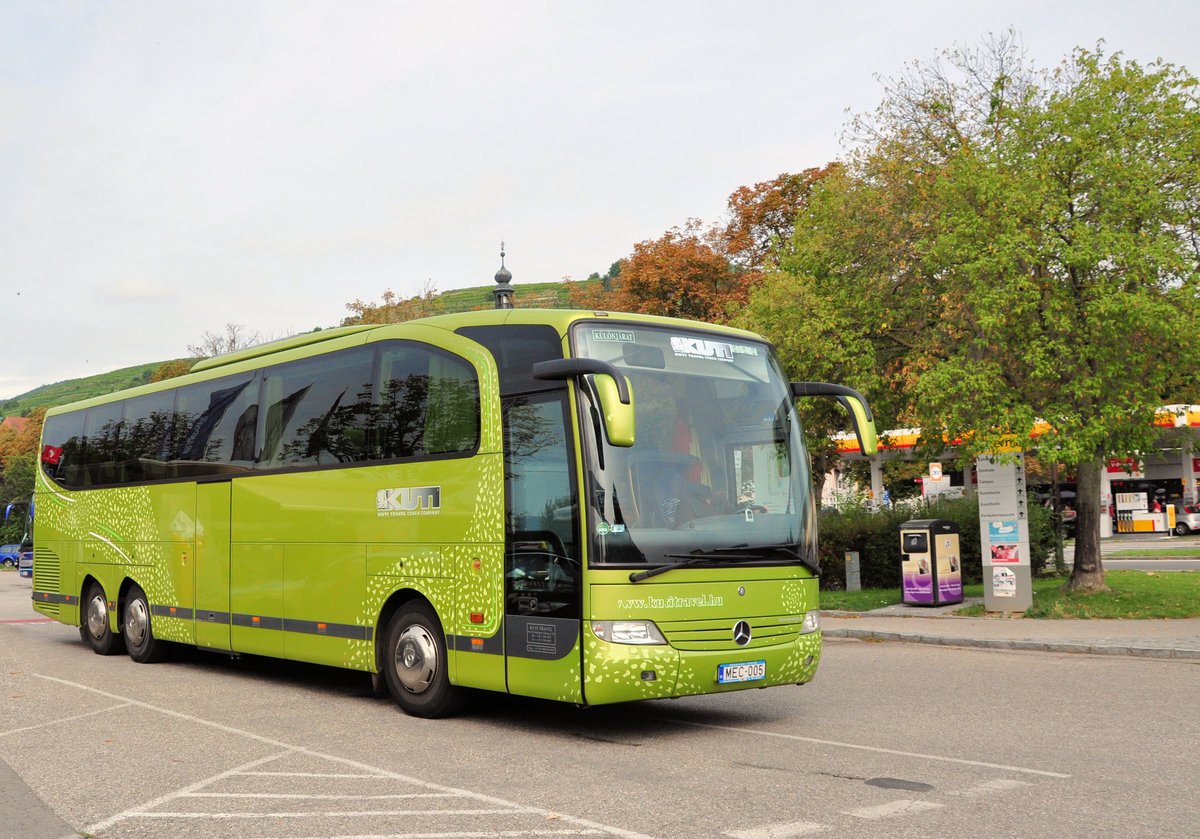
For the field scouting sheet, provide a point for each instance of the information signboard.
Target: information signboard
(1004, 533)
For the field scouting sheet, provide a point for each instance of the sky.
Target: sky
(170, 168)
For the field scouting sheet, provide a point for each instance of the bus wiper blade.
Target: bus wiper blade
(791, 552)
(694, 558)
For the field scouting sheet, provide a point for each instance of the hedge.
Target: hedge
(876, 537)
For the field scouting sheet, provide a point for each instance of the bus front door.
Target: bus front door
(542, 581)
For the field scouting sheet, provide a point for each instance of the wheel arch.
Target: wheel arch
(395, 602)
(86, 583)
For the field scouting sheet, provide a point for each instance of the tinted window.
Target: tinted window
(214, 424)
(317, 411)
(428, 402)
(102, 434)
(516, 348)
(542, 571)
(62, 448)
(145, 433)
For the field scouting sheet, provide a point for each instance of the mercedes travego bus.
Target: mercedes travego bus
(581, 506)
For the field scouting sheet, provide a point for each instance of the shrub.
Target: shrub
(876, 537)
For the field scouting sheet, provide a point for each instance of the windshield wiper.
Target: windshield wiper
(793, 554)
(696, 557)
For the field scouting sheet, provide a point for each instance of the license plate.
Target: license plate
(746, 671)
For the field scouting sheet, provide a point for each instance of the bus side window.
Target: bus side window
(147, 423)
(208, 417)
(102, 434)
(317, 409)
(62, 459)
(427, 403)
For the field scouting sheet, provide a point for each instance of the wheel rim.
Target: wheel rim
(416, 659)
(137, 622)
(97, 615)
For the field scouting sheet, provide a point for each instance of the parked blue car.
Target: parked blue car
(25, 563)
(9, 554)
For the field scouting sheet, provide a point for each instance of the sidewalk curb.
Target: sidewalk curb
(1080, 648)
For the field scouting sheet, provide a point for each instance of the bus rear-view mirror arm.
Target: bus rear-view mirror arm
(854, 403)
(612, 389)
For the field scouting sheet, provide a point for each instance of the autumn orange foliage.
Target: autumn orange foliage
(707, 275)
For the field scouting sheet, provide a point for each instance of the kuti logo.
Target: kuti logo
(700, 348)
(409, 501)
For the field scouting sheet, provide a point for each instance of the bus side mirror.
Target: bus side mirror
(612, 388)
(854, 402)
(618, 415)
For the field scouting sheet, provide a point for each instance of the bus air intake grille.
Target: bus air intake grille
(767, 631)
(46, 573)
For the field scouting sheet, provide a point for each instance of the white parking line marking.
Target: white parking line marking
(328, 814)
(797, 738)
(171, 796)
(777, 831)
(64, 719)
(289, 749)
(901, 807)
(320, 796)
(350, 775)
(469, 834)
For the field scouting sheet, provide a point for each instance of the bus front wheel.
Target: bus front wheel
(414, 663)
(95, 628)
(140, 642)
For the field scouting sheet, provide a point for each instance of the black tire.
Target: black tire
(414, 663)
(137, 628)
(1181, 529)
(94, 624)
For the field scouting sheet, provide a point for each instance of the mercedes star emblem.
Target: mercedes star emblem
(741, 633)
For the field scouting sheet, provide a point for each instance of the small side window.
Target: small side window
(62, 449)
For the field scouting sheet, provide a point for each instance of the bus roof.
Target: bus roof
(287, 349)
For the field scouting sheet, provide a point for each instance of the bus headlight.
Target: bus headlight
(812, 623)
(628, 632)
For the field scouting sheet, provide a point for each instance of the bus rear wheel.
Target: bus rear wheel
(415, 663)
(140, 642)
(94, 626)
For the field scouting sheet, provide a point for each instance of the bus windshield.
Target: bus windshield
(718, 472)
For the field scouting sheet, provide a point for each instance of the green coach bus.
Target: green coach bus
(582, 506)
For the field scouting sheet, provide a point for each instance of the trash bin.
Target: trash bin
(931, 565)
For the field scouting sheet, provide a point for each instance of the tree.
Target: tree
(235, 338)
(171, 369)
(18, 459)
(1011, 246)
(680, 274)
(392, 309)
(706, 274)
(762, 218)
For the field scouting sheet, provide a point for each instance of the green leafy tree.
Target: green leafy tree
(1010, 251)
